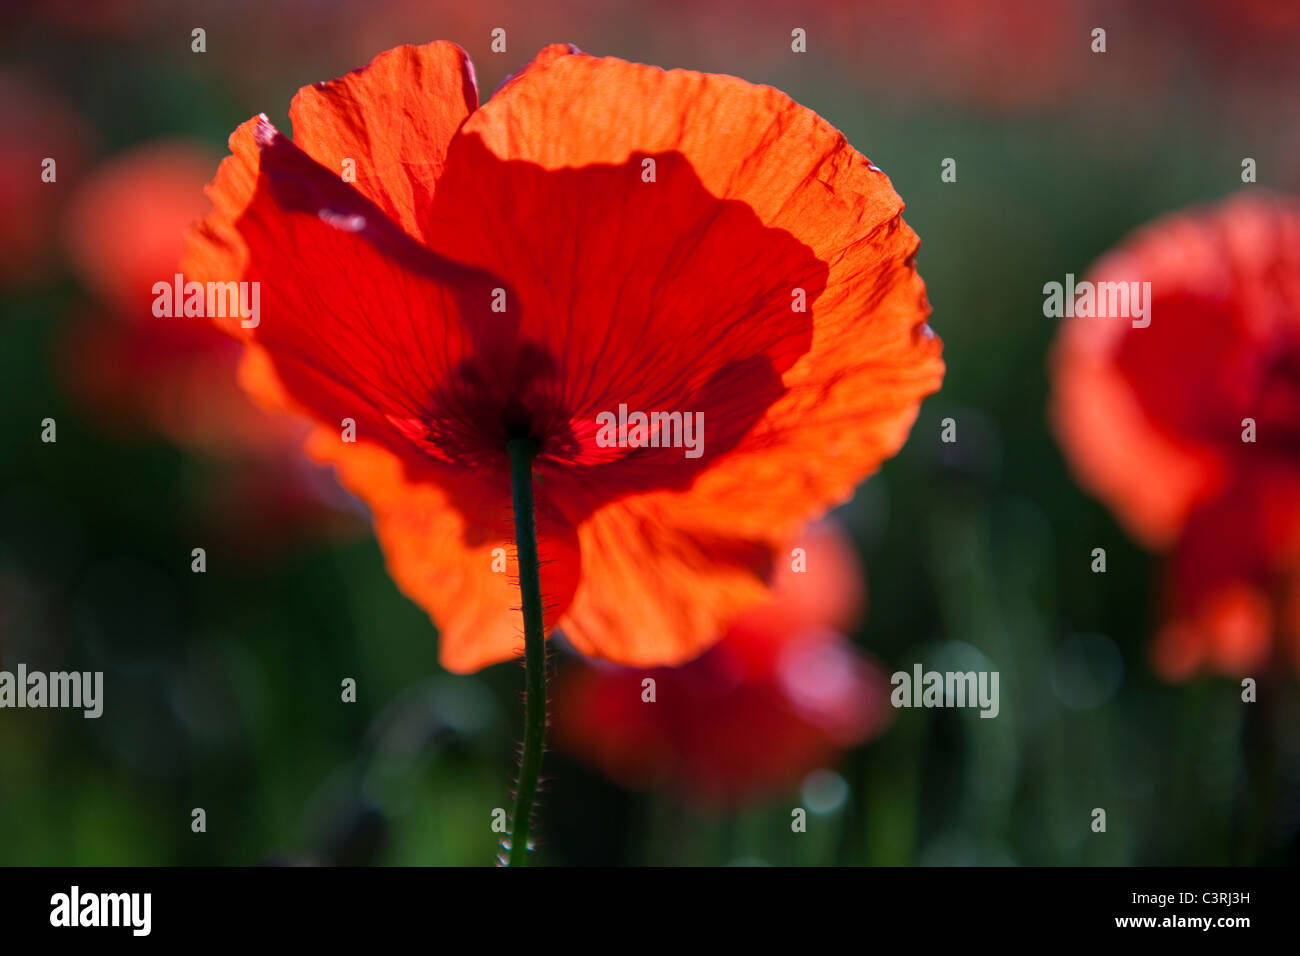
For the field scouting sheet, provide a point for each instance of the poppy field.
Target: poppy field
(649, 434)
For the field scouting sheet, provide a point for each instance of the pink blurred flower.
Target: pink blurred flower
(781, 694)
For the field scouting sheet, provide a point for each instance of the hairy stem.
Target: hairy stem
(530, 586)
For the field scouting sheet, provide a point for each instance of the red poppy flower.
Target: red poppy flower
(1189, 428)
(600, 234)
(780, 695)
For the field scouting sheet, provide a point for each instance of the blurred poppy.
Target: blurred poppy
(600, 234)
(1248, 41)
(1239, 57)
(135, 372)
(1011, 55)
(124, 232)
(1189, 429)
(779, 695)
(44, 147)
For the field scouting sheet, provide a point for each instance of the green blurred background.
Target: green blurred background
(224, 687)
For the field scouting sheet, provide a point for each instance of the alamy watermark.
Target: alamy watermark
(75, 908)
(212, 300)
(652, 430)
(946, 689)
(1127, 300)
(79, 690)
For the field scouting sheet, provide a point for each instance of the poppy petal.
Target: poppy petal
(656, 591)
(213, 248)
(851, 376)
(379, 340)
(374, 343)
(394, 120)
(447, 561)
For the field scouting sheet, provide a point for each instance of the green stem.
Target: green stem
(530, 586)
